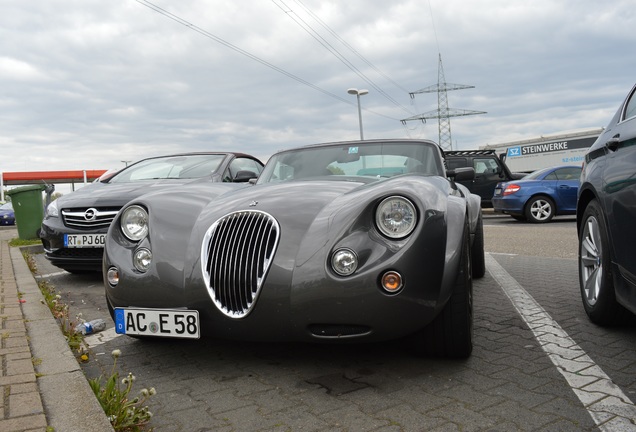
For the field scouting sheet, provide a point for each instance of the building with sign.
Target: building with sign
(546, 151)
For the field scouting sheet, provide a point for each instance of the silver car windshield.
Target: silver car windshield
(358, 160)
(172, 167)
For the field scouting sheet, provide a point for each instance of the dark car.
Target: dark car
(489, 170)
(75, 225)
(606, 215)
(7, 216)
(539, 196)
(351, 241)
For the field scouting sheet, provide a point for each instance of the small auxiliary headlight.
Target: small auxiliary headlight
(142, 259)
(344, 262)
(134, 222)
(392, 281)
(113, 276)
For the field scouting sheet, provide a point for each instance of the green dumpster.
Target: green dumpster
(29, 210)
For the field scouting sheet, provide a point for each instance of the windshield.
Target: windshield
(6, 206)
(352, 159)
(170, 167)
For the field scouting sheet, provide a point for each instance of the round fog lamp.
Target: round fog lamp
(113, 276)
(344, 262)
(142, 259)
(392, 281)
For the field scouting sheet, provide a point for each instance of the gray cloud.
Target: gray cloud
(87, 83)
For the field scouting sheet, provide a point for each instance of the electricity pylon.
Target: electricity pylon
(442, 113)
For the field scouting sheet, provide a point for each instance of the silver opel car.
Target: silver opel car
(75, 225)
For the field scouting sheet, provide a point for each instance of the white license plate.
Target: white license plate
(84, 240)
(497, 192)
(179, 323)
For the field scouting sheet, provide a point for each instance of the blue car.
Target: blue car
(539, 196)
(7, 217)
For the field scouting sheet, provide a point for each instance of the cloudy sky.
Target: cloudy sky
(87, 84)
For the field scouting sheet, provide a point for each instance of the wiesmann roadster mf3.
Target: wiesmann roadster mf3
(339, 242)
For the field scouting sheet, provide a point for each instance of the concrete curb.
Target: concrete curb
(68, 400)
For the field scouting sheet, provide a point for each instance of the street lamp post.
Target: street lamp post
(358, 93)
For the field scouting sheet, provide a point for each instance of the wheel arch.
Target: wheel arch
(586, 195)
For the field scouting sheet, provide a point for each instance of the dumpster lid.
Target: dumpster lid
(28, 188)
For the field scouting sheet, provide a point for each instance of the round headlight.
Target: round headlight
(142, 259)
(134, 222)
(344, 262)
(396, 217)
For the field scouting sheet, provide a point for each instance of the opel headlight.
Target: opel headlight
(134, 222)
(52, 210)
(396, 217)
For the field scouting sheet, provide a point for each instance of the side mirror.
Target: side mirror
(244, 176)
(461, 174)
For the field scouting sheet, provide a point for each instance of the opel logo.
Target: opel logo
(90, 214)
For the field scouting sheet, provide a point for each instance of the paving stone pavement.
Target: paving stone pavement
(508, 383)
(42, 386)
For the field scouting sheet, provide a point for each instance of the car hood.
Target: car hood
(114, 194)
(295, 201)
(316, 212)
(6, 212)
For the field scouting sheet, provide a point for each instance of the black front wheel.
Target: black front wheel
(451, 332)
(595, 277)
(478, 255)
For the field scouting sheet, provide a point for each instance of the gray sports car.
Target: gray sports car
(340, 242)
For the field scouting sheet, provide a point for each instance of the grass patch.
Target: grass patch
(17, 242)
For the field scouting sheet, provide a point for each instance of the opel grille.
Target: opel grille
(89, 218)
(236, 253)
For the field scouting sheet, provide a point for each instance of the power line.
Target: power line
(307, 27)
(247, 54)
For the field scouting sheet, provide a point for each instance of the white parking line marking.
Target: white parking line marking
(609, 407)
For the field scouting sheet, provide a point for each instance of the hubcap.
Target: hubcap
(541, 210)
(591, 254)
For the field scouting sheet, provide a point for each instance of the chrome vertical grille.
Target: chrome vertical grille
(236, 253)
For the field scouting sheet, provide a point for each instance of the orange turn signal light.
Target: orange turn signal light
(391, 281)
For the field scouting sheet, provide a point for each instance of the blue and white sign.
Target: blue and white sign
(514, 151)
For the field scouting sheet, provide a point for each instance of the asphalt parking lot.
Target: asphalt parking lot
(538, 363)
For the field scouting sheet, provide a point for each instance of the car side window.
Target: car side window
(551, 176)
(241, 164)
(455, 163)
(568, 173)
(630, 107)
(484, 166)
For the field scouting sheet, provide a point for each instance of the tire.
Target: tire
(540, 209)
(450, 334)
(595, 274)
(478, 256)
